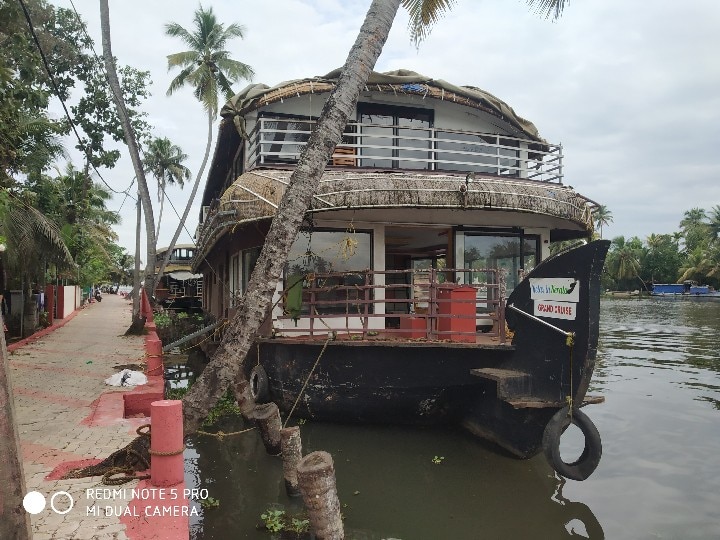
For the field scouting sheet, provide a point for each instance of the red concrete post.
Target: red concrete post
(166, 443)
(50, 303)
(61, 302)
(145, 308)
(153, 351)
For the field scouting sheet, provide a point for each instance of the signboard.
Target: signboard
(558, 289)
(555, 310)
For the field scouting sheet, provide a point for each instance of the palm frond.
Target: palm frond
(423, 15)
(548, 8)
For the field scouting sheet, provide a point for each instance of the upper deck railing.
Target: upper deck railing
(280, 140)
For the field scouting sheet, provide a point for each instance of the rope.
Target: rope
(570, 342)
(220, 435)
(307, 380)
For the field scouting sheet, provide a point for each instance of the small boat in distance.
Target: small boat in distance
(687, 288)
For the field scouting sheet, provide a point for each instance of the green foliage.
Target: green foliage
(210, 502)
(207, 67)
(277, 520)
(299, 526)
(226, 406)
(162, 320)
(691, 253)
(273, 519)
(437, 460)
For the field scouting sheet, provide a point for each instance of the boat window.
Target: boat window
(249, 259)
(394, 137)
(500, 251)
(235, 290)
(283, 137)
(317, 253)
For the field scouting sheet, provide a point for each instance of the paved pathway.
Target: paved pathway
(56, 382)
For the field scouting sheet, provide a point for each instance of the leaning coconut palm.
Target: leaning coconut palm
(133, 150)
(224, 367)
(208, 69)
(164, 160)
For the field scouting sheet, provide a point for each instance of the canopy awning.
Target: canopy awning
(184, 275)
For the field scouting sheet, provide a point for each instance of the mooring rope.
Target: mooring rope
(570, 342)
(307, 379)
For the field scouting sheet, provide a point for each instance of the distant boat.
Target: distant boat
(686, 289)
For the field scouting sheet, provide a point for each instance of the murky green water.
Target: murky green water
(659, 369)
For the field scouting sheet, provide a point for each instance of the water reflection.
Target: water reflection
(659, 369)
(390, 487)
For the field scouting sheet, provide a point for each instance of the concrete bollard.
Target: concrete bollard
(153, 348)
(291, 445)
(166, 443)
(268, 421)
(316, 477)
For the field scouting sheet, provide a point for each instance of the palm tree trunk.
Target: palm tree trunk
(181, 225)
(161, 197)
(224, 367)
(136, 272)
(14, 520)
(133, 149)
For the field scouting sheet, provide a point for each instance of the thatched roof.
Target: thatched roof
(255, 195)
(398, 82)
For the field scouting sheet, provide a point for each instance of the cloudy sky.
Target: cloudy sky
(630, 88)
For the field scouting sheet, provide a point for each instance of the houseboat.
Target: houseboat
(422, 287)
(687, 289)
(178, 287)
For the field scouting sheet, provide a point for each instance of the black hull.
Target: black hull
(502, 393)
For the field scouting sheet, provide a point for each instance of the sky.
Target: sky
(630, 88)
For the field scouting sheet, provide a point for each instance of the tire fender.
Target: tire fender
(259, 387)
(588, 461)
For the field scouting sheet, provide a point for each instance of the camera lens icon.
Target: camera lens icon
(34, 502)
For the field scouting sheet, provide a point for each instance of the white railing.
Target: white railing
(280, 140)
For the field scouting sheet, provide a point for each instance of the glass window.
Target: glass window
(283, 138)
(495, 251)
(322, 252)
(398, 137)
(249, 258)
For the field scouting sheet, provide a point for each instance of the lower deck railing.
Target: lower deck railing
(396, 304)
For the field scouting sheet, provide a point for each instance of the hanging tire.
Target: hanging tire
(588, 461)
(259, 387)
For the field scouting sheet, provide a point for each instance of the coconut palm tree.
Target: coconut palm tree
(714, 223)
(602, 216)
(164, 160)
(133, 150)
(696, 266)
(208, 69)
(224, 367)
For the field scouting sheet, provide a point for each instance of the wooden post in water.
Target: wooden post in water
(268, 421)
(316, 478)
(291, 445)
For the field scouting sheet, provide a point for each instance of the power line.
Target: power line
(57, 92)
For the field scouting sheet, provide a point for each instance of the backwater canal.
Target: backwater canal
(659, 478)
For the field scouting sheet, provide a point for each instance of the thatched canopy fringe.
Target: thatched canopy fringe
(254, 196)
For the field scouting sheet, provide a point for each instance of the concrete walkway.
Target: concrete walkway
(57, 383)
